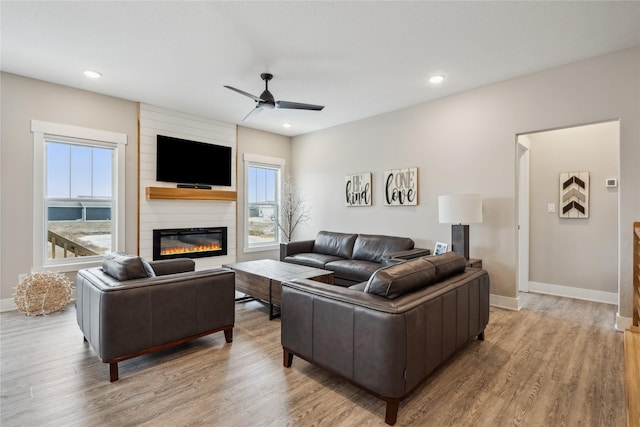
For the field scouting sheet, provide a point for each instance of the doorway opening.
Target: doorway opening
(574, 257)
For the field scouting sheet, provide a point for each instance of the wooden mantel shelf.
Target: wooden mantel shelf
(169, 193)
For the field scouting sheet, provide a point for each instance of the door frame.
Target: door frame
(523, 150)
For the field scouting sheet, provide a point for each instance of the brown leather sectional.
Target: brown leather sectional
(353, 258)
(388, 334)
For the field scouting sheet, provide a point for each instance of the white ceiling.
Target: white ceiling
(358, 58)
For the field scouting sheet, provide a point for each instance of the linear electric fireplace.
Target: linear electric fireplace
(189, 242)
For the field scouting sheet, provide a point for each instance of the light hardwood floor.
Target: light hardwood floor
(556, 362)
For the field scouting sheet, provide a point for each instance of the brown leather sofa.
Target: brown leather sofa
(388, 334)
(131, 307)
(352, 257)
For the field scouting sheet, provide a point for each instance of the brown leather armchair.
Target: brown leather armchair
(131, 307)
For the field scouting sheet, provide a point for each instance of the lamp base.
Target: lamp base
(460, 239)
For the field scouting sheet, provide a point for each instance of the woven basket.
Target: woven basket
(42, 293)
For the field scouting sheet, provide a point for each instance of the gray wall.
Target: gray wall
(253, 141)
(579, 253)
(24, 99)
(462, 143)
(466, 143)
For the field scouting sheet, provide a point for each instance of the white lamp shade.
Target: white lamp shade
(460, 209)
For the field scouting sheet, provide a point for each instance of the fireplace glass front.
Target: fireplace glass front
(189, 242)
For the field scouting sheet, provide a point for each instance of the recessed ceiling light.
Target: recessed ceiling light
(438, 78)
(286, 125)
(92, 74)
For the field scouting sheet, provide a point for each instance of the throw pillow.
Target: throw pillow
(399, 279)
(147, 268)
(122, 266)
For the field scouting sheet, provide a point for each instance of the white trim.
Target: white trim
(7, 304)
(43, 130)
(57, 129)
(623, 323)
(272, 247)
(577, 293)
(523, 167)
(258, 161)
(507, 303)
(265, 160)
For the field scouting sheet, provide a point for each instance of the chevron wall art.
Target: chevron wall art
(574, 195)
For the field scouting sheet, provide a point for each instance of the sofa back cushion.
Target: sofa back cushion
(165, 267)
(447, 264)
(336, 244)
(370, 247)
(399, 279)
(122, 266)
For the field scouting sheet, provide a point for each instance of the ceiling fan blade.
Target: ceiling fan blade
(298, 106)
(253, 112)
(255, 98)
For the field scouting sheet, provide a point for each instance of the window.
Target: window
(78, 195)
(262, 198)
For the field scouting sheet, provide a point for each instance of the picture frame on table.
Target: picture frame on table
(440, 248)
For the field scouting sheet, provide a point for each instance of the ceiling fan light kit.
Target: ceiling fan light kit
(268, 102)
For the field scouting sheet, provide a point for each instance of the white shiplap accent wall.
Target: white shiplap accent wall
(158, 214)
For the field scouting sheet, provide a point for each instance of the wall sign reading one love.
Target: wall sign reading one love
(401, 187)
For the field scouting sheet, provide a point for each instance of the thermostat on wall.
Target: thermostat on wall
(611, 182)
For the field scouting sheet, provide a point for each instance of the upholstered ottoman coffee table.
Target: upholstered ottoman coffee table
(262, 279)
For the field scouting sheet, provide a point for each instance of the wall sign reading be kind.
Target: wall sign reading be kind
(358, 189)
(401, 187)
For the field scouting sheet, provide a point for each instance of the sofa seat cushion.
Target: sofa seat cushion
(336, 244)
(447, 264)
(311, 259)
(371, 247)
(122, 266)
(397, 280)
(355, 270)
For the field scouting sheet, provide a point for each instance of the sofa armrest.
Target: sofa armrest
(105, 283)
(400, 305)
(408, 254)
(298, 247)
(172, 266)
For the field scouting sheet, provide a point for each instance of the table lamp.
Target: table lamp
(460, 210)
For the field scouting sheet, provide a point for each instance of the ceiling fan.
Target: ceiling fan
(267, 101)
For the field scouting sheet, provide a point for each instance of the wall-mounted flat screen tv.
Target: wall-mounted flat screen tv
(191, 162)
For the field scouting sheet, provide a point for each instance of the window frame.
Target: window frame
(43, 131)
(266, 162)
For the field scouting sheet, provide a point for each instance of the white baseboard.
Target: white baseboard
(623, 323)
(507, 303)
(7, 304)
(577, 293)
